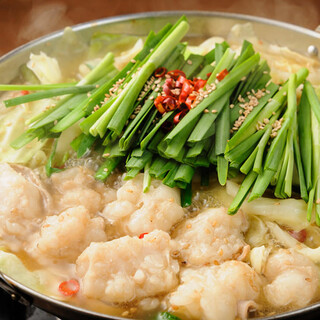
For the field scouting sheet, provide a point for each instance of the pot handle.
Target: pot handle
(15, 295)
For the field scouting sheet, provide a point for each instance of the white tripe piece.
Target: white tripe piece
(22, 205)
(215, 292)
(135, 212)
(66, 235)
(129, 268)
(212, 237)
(292, 279)
(77, 187)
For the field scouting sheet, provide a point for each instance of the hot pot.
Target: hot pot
(202, 25)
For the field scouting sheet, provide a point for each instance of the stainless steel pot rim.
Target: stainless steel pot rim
(155, 14)
(23, 290)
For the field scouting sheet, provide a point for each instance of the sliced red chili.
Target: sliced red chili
(189, 101)
(142, 235)
(158, 102)
(160, 72)
(299, 235)
(199, 84)
(177, 118)
(168, 85)
(187, 88)
(222, 74)
(169, 103)
(209, 74)
(69, 288)
(176, 73)
(24, 92)
(180, 81)
(166, 89)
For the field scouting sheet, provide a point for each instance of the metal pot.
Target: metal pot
(203, 24)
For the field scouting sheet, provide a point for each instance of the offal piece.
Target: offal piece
(128, 268)
(23, 202)
(293, 279)
(212, 237)
(135, 212)
(77, 187)
(216, 292)
(66, 235)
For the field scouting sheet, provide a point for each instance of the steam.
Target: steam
(43, 18)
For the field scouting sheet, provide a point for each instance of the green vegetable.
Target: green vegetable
(166, 316)
(48, 94)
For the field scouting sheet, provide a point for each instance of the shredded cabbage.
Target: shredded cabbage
(257, 234)
(12, 266)
(206, 46)
(121, 60)
(287, 212)
(12, 126)
(45, 68)
(282, 60)
(258, 258)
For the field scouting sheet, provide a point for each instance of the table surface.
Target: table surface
(24, 20)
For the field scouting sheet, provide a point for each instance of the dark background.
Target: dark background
(24, 20)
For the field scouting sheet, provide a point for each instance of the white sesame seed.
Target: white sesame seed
(267, 84)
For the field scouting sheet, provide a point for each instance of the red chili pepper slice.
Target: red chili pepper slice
(299, 235)
(158, 104)
(187, 88)
(199, 83)
(169, 103)
(160, 72)
(168, 85)
(176, 73)
(142, 235)
(24, 92)
(180, 81)
(222, 74)
(69, 288)
(209, 74)
(167, 90)
(177, 118)
(190, 101)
